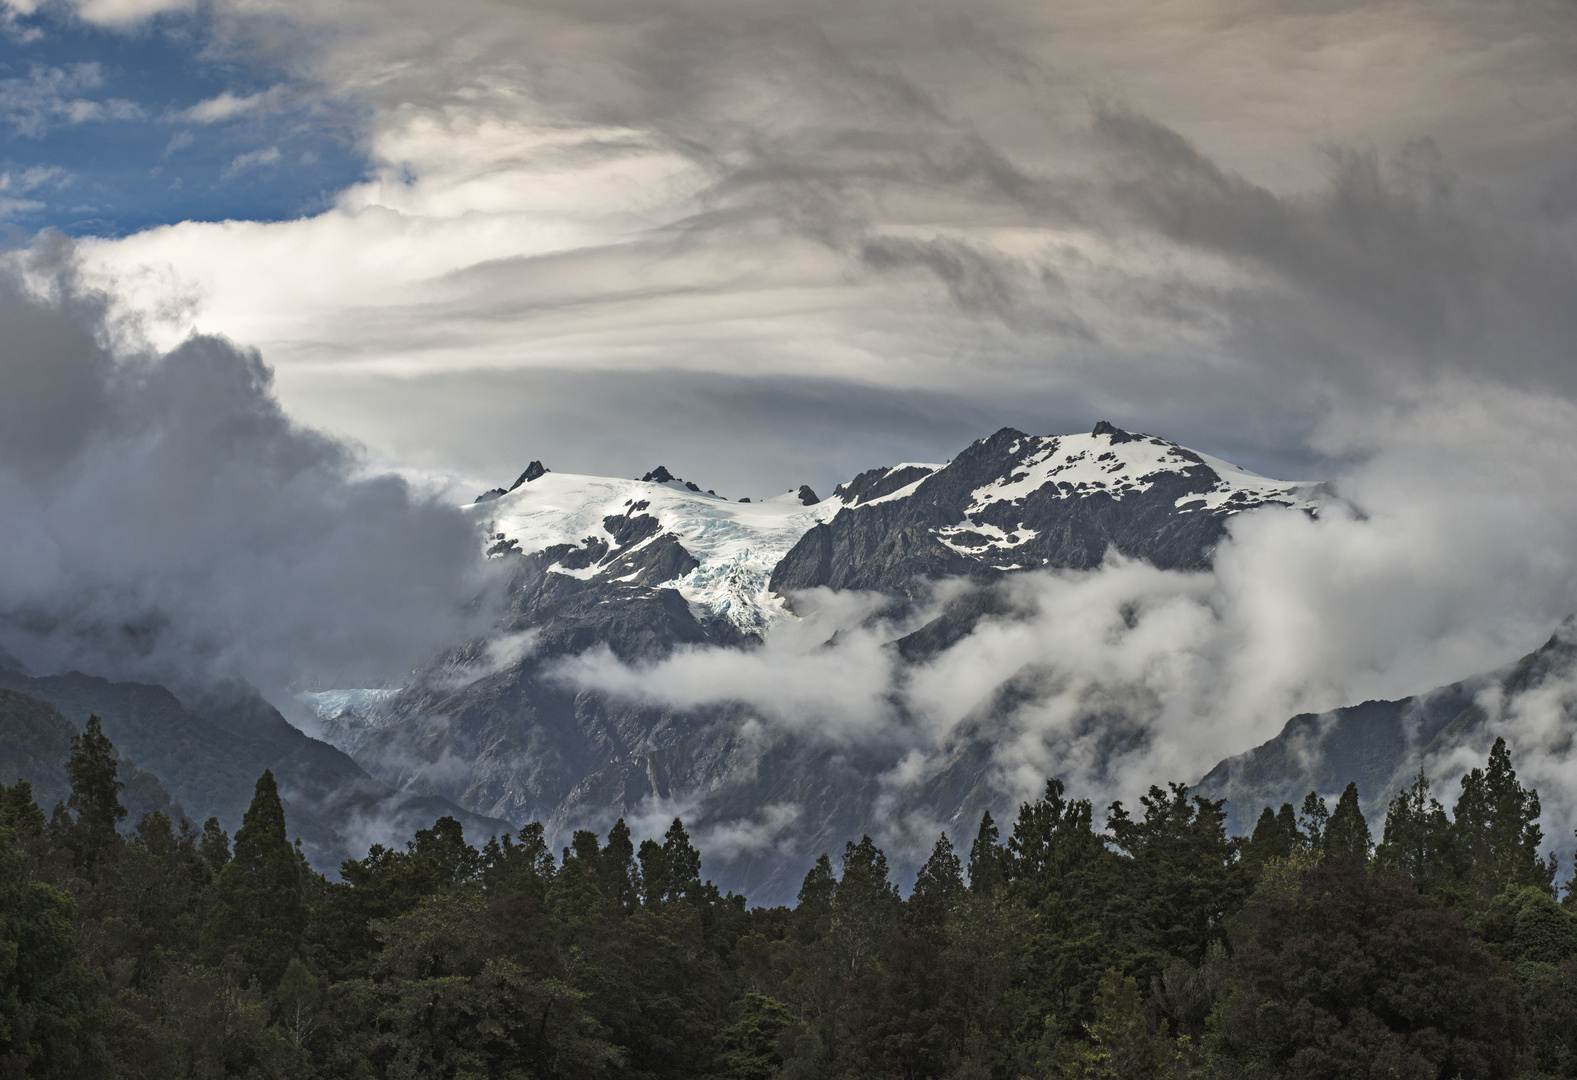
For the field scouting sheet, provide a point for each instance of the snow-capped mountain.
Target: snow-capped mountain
(1015, 501)
(1009, 502)
(647, 567)
(657, 531)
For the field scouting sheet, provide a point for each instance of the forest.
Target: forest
(1153, 945)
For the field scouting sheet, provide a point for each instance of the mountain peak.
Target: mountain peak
(1106, 427)
(533, 471)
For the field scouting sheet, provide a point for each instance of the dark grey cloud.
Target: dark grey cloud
(1236, 224)
(164, 518)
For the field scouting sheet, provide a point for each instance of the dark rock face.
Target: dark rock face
(534, 470)
(951, 525)
(510, 737)
(489, 496)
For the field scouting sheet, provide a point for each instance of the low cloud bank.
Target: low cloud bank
(1448, 552)
(164, 519)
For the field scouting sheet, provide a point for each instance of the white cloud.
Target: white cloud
(30, 104)
(228, 106)
(828, 192)
(252, 159)
(1461, 559)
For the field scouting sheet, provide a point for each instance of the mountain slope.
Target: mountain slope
(1380, 745)
(211, 759)
(645, 568)
(35, 744)
(1015, 501)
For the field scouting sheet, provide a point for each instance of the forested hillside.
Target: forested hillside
(1158, 947)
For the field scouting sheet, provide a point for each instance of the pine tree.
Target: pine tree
(1347, 834)
(1418, 839)
(620, 876)
(939, 884)
(1496, 826)
(259, 915)
(215, 845)
(985, 857)
(1312, 820)
(95, 797)
(819, 888)
(656, 878)
(683, 862)
(1270, 840)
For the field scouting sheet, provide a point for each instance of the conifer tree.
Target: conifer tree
(683, 862)
(620, 876)
(95, 797)
(656, 879)
(820, 886)
(1269, 840)
(1347, 834)
(259, 915)
(939, 884)
(1287, 818)
(214, 846)
(1418, 839)
(985, 857)
(1496, 826)
(1312, 820)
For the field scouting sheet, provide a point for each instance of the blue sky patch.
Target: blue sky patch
(104, 133)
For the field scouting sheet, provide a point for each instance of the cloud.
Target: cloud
(252, 159)
(123, 15)
(228, 106)
(1220, 223)
(29, 105)
(166, 520)
(1449, 553)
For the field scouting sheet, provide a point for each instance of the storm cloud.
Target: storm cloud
(1223, 222)
(164, 519)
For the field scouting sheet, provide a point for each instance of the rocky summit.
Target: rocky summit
(641, 570)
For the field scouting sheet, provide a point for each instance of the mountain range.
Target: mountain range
(648, 568)
(629, 575)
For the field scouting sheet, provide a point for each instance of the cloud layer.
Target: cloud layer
(1226, 222)
(1448, 553)
(165, 519)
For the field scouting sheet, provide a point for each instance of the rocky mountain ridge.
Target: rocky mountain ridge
(648, 568)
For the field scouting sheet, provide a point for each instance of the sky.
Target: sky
(775, 243)
(283, 282)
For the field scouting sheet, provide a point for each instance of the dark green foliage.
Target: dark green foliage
(748, 1049)
(258, 915)
(1181, 878)
(985, 857)
(1312, 819)
(215, 846)
(1119, 1044)
(1275, 836)
(51, 1009)
(939, 886)
(95, 797)
(1134, 953)
(1418, 840)
(1355, 975)
(1347, 834)
(1496, 822)
(620, 876)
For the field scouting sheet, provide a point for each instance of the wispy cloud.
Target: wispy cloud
(47, 96)
(252, 159)
(228, 106)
